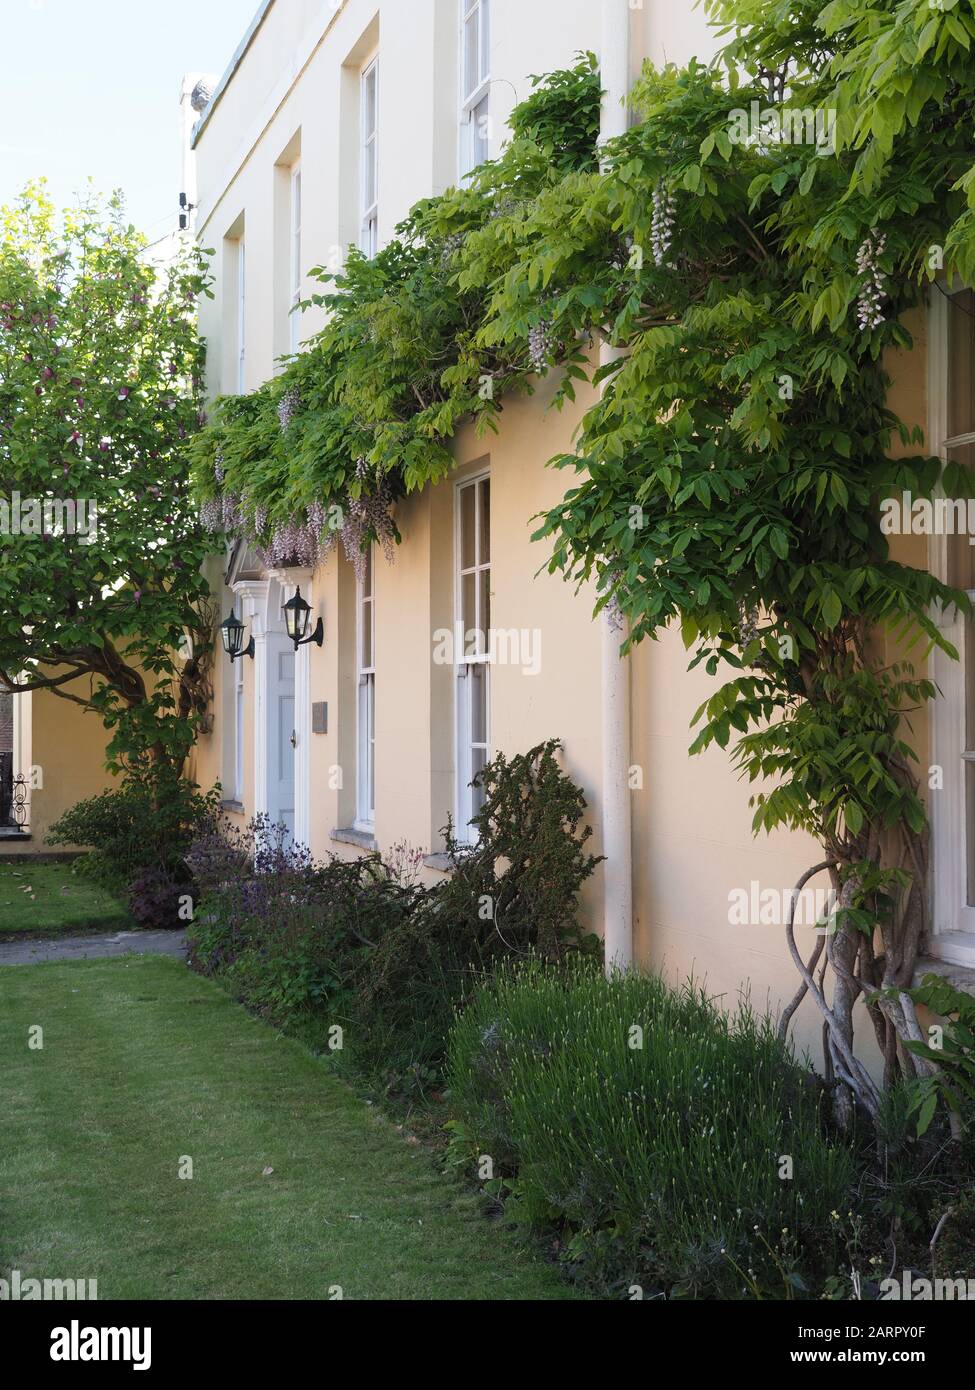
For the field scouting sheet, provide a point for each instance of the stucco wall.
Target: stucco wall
(66, 746)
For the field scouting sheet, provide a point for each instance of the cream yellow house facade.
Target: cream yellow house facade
(332, 120)
(52, 755)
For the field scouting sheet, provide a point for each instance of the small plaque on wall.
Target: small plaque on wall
(319, 718)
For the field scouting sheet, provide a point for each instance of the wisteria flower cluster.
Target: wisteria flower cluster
(308, 540)
(297, 542)
(368, 517)
(540, 344)
(748, 626)
(873, 291)
(289, 406)
(662, 223)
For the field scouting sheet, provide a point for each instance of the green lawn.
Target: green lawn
(49, 900)
(144, 1063)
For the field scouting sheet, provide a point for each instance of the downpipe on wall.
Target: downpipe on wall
(616, 809)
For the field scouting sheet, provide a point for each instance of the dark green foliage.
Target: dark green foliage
(562, 115)
(530, 857)
(515, 891)
(283, 931)
(952, 1061)
(132, 830)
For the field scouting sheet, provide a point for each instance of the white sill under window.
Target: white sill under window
(957, 947)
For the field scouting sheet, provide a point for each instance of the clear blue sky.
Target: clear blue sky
(91, 88)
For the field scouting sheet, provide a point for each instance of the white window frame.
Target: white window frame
(464, 742)
(294, 313)
(365, 781)
(241, 317)
(369, 153)
(472, 98)
(953, 920)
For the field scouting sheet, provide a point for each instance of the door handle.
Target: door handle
(294, 739)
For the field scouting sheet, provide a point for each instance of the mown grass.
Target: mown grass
(145, 1064)
(54, 899)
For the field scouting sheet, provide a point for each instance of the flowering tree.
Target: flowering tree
(100, 548)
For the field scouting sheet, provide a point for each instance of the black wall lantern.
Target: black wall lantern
(297, 614)
(232, 634)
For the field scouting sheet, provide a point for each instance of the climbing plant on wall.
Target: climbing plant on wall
(751, 245)
(731, 471)
(366, 412)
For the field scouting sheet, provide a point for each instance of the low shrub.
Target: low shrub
(652, 1131)
(363, 942)
(513, 892)
(156, 899)
(137, 828)
(282, 929)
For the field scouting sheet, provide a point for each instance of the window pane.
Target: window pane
(484, 623)
(366, 623)
(478, 762)
(961, 555)
(371, 751)
(485, 38)
(296, 236)
(480, 132)
(961, 363)
(968, 657)
(469, 613)
(366, 759)
(467, 505)
(367, 575)
(478, 680)
(369, 103)
(472, 67)
(484, 488)
(369, 177)
(239, 741)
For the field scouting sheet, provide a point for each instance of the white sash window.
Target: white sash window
(475, 84)
(472, 661)
(369, 119)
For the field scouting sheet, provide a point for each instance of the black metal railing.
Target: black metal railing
(14, 800)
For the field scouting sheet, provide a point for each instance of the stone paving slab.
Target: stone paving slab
(140, 943)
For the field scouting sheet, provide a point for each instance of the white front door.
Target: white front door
(281, 731)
